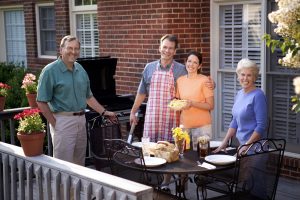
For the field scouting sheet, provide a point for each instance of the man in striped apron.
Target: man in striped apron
(158, 81)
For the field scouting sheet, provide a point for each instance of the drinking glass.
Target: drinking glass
(145, 145)
(180, 145)
(203, 150)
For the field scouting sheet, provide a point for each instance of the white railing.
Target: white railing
(44, 177)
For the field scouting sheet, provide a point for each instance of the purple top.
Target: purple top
(249, 114)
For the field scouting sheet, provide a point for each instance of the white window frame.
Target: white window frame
(215, 57)
(2, 30)
(74, 10)
(40, 55)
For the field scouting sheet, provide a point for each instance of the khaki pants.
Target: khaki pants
(69, 138)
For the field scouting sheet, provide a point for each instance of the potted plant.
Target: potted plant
(30, 85)
(3, 94)
(31, 131)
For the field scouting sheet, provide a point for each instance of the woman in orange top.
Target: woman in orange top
(195, 116)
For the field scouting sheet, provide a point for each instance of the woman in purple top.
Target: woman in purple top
(248, 124)
(250, 108)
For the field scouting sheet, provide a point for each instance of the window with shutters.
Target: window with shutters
(240, 33)
(84, 25)
(46, 34)
(284, 123)
(237, 29)
(13, 44)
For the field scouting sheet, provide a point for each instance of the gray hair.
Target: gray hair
(68, 38)
(246, 63)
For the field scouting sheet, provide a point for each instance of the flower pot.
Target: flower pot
(2, 103)
(32, 144)
(32, 100)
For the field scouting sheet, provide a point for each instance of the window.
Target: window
(84, 25)
(46, 30)
(85, 2)
(87, 32)
(240, 32)
(15, 42)
(237, 29)
(284, 123)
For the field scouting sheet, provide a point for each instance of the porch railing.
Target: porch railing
(44, 177)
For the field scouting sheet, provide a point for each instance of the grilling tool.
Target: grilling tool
(130, 134)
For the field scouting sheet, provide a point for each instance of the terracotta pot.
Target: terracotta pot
(32, 100)
(32, 144)
(2, 103)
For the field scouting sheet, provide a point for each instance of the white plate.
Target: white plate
(220, 159)
(215, 144)
(151, 161)
(139, 144)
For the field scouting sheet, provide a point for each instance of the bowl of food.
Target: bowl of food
(177, 104)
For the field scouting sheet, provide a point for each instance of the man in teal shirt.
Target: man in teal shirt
(63, 94)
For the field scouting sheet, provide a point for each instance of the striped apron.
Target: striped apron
(160, 119)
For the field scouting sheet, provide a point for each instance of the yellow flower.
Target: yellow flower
(179, 134)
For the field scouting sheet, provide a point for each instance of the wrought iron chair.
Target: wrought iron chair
(127, 161)
(255, 175)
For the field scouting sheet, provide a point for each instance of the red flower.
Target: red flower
(27, 113)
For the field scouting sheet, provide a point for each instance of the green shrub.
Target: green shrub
(13, 75)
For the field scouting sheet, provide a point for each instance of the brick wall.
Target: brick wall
(130, 31)
(291, 168)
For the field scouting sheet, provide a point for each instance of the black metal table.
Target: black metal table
(183, 167)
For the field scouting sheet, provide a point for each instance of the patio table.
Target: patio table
(183, 167)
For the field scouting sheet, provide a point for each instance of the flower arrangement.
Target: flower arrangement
(29, 83)
(287, 18)
(288, 27)
(3, 89)
(180, 134)
(203, 139)
(296, 98)
(30, 121)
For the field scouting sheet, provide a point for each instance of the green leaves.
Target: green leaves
(296, 100)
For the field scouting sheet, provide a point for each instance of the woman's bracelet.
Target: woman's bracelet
(102, 114)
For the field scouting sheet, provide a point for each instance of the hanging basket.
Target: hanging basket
(32, 100)
(32, 144)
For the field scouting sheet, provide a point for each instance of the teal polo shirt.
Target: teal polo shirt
(64, 90)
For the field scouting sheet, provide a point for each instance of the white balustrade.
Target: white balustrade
(44, 177)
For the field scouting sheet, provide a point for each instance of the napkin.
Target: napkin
(207, 165)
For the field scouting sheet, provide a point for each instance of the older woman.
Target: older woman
(250, 108)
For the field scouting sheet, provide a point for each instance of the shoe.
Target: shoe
(166, 189)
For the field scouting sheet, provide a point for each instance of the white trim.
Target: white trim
(2, 38)
(38, 36)
(2, 29)
(215, 56)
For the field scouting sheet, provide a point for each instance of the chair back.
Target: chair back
(123, 157)
(258, 168)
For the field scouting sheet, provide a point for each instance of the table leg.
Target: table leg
(180, 185)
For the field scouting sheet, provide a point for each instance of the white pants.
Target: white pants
(69, 138)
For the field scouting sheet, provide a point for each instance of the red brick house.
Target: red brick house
(223, 30)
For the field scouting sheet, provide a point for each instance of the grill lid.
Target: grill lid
(101, 72)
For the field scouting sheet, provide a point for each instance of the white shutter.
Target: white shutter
(240, 37)
(87, 32)
(15, 37)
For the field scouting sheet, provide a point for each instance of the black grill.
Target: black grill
(101, 72)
